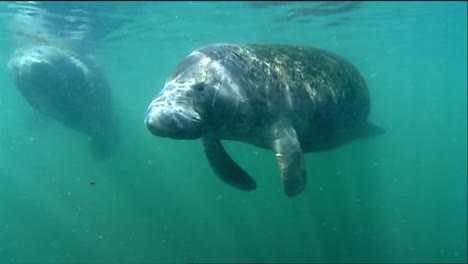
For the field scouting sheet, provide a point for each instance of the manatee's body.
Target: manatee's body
(286, 98)
(68, 88)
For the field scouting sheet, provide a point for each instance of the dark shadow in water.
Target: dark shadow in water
(339, 22)
(262, 4)
(316, 9)
(333, 24)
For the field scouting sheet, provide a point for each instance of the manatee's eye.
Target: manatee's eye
(199, 86)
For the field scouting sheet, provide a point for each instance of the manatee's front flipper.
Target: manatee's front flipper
(225, 167)
(289, 156)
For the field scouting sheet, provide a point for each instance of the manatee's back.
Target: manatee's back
(318, 90)
(327, 94)
(313, 77)
(308, 78)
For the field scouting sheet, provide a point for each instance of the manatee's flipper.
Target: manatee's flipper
(368, 129)
(224, 167)
(290, 158)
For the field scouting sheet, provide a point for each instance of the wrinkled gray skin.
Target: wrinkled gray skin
(284, 98)
(69, 89)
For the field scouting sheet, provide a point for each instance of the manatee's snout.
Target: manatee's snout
(178, 120)
(30, 65)
(40, 70)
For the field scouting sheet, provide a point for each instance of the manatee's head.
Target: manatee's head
(44, 70)
(185, 106)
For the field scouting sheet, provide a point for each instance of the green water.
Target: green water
(399, 197)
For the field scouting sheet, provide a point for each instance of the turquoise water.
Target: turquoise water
(399, 197)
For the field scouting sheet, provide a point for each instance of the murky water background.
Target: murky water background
(400, 197)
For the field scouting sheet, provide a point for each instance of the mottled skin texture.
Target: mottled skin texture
(68, 88)
(326, 93)
(289, 99)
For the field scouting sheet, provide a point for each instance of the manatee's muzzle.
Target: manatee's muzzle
(32, 66)
(174, 121)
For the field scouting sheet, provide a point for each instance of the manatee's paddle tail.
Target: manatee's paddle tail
(103, 146)
(224, 167)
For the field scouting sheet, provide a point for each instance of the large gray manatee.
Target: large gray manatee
(290, 99)
(70, 89)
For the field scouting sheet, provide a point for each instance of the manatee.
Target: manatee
(70, 89)
(289, 99)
